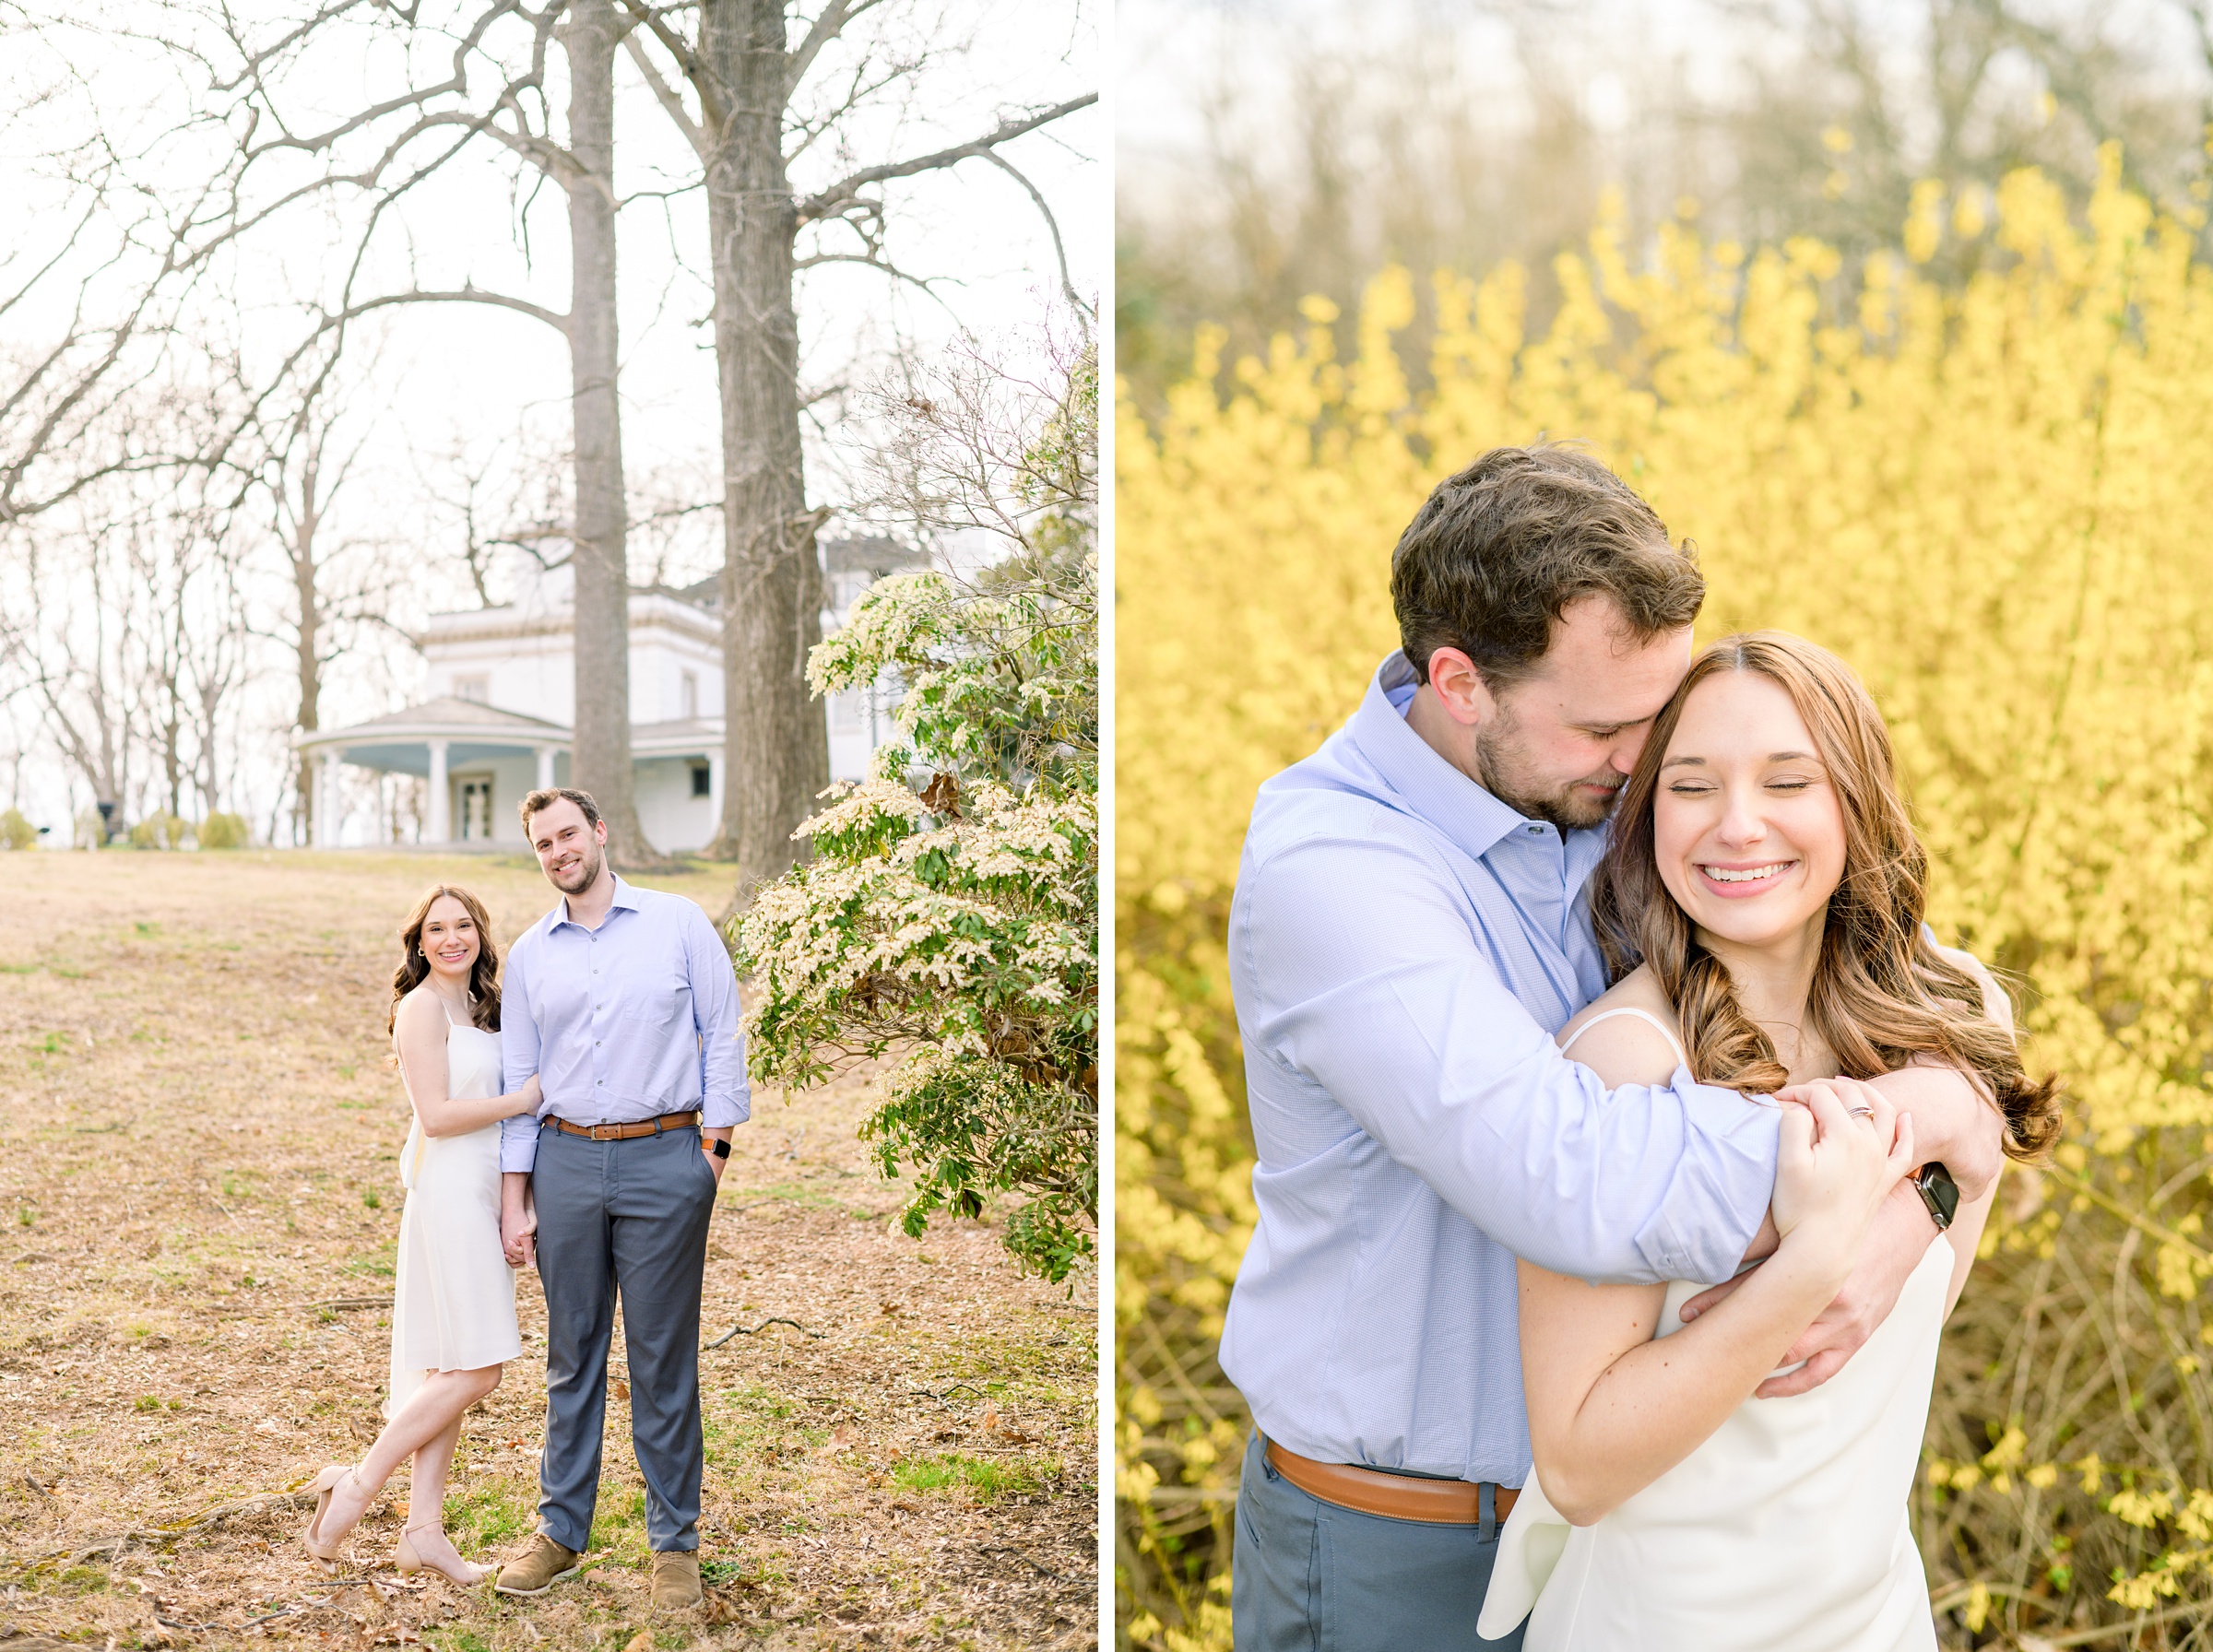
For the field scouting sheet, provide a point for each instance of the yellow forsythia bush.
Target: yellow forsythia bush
(1995, 501)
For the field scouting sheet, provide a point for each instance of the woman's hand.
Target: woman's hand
(1843, 1148)
(518, 1220)
(531, 1097)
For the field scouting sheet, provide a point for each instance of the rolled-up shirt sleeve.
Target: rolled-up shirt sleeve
(726, 1095)
(518, 1059)
(1377, 992)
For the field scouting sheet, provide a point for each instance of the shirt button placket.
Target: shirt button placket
(592, 1000)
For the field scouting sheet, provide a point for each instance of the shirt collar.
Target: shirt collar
(624, 896)
(1426, 785)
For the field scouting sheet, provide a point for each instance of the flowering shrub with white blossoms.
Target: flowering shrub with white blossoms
(950, 911)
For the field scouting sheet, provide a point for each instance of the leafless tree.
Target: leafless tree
(215, 671)
(78, 659)
(336, 588)
(986, 438)
(121, 612)
(473, 73)
(1848, 105)
(96, 269)
(740, 79)
(460, 75)
(507, 497)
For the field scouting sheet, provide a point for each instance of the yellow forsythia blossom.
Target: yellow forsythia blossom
(1996, 501)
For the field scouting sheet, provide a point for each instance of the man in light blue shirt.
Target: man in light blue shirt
(1411, 927)
(625, 1003)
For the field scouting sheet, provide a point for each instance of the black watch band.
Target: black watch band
(720, 1147)
(1938, 1192)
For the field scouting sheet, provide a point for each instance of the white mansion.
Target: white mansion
(503, 698)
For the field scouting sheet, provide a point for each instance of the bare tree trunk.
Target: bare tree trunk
(600, 760)
(217, 669)
(308, 717)
(777, 750)
(307, 634)
(164, 569)
(81, 688)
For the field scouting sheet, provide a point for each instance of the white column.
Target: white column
(324, 825)
(442, 798)
(715, 789)
(545, 767)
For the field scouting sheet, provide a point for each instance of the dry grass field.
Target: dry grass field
(198, 1205)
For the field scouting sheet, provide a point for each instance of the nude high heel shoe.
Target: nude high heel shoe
(311, 1535)
(468, 1576)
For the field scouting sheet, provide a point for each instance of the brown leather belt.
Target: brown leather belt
(644, 1126)
(1393, 1496)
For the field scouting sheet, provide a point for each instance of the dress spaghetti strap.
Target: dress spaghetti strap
(1675, 1040)
(444, 1013)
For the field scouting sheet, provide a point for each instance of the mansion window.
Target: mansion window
(475, 809)
(478, 689)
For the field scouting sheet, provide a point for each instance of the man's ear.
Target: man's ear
(1461, 690)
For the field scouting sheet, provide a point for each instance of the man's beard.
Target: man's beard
(1497, 755)
(583, 876)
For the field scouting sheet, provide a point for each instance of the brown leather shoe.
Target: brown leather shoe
(537, 1568)
(676, 1580)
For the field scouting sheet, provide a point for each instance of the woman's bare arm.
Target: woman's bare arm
(1965, 1234)
(419, 1034)
(1610, 1408)
(1954, 1124)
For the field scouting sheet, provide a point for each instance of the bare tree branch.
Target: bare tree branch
(826, 202)
(670, 101)
(465, 295)
(1068, 288)
(829, 23)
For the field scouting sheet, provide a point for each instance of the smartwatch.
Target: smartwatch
(720, 1147)
(1938, 1192)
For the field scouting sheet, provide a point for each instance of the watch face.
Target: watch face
(1940, 1191)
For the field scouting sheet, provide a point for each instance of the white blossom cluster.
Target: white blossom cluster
(950, 912)
(958, 931)
(1034, 688)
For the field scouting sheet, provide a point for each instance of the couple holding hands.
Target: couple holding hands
(577, 1113)
(1576, 976)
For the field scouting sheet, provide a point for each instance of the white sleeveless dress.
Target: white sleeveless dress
(453, 1299)
(1786, 1528)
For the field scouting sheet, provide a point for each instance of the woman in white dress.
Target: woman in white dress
(1760, 908)
(453, 1301)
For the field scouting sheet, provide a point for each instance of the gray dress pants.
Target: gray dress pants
(1309, 1576)
(628, 1219)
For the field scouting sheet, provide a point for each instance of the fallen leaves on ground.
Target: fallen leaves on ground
(200, 1202)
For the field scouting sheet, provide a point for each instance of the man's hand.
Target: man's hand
(715, 1162)
(518, 1220)
(1896, 1242)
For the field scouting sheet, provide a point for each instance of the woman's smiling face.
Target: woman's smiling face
(449, 938)
(1747, 830)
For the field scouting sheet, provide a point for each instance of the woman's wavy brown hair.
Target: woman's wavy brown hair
(414, 969)
(1882, 994)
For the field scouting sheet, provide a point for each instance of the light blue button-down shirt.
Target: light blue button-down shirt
(630, 1020)
(1402, 945)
